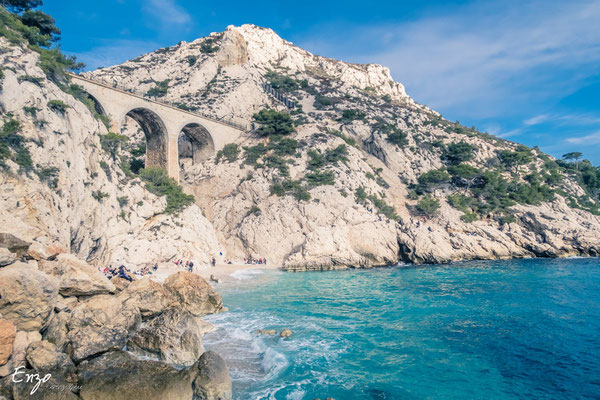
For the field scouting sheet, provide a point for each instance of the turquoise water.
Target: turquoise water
(526, 329)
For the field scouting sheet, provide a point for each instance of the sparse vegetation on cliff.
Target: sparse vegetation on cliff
(158, 182)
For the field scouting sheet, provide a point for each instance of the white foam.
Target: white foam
(242, 274)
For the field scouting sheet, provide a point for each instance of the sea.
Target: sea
(514, 329)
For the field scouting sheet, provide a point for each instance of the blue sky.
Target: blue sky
(528, 71)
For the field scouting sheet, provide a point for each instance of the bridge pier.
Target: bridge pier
(162, 123)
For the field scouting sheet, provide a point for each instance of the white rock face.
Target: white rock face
(65, 211)
(366, 216)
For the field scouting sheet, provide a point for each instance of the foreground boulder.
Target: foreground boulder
(57, 330)
(27, 296)
(77, 278)
(39, 251)
(194, 294)
(117, 375)
(174, 337)
(150, 297)
(13, 243)
(100, 324)
(7, 337)
(213, 381)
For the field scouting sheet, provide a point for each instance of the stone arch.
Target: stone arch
(195, 142)
(156, 135)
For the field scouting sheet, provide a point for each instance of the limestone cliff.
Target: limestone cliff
(351, 186)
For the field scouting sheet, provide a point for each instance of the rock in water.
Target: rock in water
(194, 294)
(100, 324)
(286, 333)
(266, 332)
(27, 296)
(117, 376)
(7, 337)
(213, 381)
(174, 336)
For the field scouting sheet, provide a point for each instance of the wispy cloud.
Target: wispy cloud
(167, 13)
(487, 57)
(114, 52)
(590, 139)
(538, 119)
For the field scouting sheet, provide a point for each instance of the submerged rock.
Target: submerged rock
(266, 332)
(286, 333)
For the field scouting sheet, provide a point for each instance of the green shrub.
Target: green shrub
(507, 219)
(291, 187)
(191, 60)
(254, 210)
(23, 158)
(158, 182)
(284, 146)
(253, 153)
(397, 137)
(281, 82)
(352, 115)
(428, 205)
(57, 106)
(123, 200)
(462, 202)
(273, 122)
(33, 79)
(230, 152)
(48, 175)
(459, 152)
(513, 159)
(99, 195)
(136, 164)
(111, 143)
(320, 178)
(276, 162)
(349, 141)
(160, 90)
(31, 110)
(469, 217)
(208, 46)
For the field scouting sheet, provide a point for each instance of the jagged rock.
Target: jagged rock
(99, 324)
(6, 257)
(57, 330)
(65, 304)
(150, 297)
(27, 296)
(213, 381)
(194, 294)
(13, 243)
(286, 333)
(22, 341)
(44, 356)
(266, 332)
(38, 251)
(77, 278)
(117, 375)
(120, 283)
(174, 336)
(7, 337)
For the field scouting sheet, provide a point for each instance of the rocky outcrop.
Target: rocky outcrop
(175, 337)
(100, 324)
(117, 375)
(27, 296)
(77, 278)
(193, 294)
(6, 257)
(213, 381)
(150, 297)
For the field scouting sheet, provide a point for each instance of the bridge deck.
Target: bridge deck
(196, 114)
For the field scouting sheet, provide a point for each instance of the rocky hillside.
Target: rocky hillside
(356, 173)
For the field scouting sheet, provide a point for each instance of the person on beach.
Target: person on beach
(213, 262)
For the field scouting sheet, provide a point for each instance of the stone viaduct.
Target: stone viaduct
(162, 124)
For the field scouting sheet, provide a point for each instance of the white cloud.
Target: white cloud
(116, 52)
(167, 13)
(538, 119)
(590, 139)
(485, 58)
